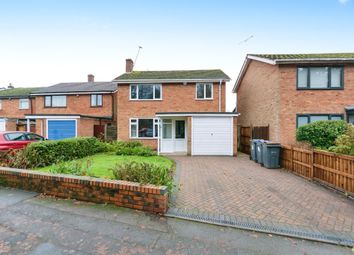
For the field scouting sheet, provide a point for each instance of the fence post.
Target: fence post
(291, 158)
(312, 164)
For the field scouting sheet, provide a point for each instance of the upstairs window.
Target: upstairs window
(24, 104)
(146, 92)
(0, 104)
(204, 91)
(55, 101)
(320, 77)
(96, 100)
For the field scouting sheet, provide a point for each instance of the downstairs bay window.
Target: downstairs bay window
(143, 128)
(303, 119)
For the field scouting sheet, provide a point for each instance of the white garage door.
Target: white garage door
(212, 136)
(2, 125)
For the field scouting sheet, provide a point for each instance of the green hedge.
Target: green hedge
(46, 153)
(344, 144)
(321, 134)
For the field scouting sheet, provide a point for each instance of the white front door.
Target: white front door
(173, 135)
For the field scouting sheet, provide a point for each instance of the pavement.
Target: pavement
(237, 192)
(34, 224)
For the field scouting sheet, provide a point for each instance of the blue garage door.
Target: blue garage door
(61, 129)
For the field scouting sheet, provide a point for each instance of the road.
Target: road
(34, 224)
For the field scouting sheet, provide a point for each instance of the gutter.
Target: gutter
(72, 93)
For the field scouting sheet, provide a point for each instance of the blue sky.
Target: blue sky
(47, 42)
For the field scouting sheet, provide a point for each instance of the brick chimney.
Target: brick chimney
(129, 64)
(90, 78)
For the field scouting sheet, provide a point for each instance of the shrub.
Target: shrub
(15, 158)
(136, 151)
(144, 173)
(46, 153)
(73, 167)
(321, 134)
(344, 144)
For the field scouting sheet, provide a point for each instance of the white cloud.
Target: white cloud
(343, 1)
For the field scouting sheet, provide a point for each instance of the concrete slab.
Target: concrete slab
(13, 196)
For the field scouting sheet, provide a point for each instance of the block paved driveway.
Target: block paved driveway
(239, 187)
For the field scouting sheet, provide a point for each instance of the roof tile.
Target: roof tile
(79, 87)
(304, 56)
(176, 75)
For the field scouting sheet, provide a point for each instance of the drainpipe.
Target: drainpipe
(220, 82)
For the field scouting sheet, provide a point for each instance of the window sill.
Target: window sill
(23, 108)
(204, 99)
(50, 107)
(143, 100)
(341, 88)
(100, 106)
(143, 138)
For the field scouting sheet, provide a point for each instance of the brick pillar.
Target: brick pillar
(235, 136)
(189, 136)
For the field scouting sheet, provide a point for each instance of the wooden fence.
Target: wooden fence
(334, 170)
(250, 132)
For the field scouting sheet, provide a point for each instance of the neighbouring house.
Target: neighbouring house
(288, 91)
(75, 109)
(15, 103)
(176, 111)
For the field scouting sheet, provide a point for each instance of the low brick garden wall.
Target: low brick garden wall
(122, 193)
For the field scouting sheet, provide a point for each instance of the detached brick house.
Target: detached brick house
(74, 109)
(287, 91)
(15, 103)
(171, 111)
(176, 111)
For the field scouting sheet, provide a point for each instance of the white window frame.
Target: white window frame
(154, 127)
(0, 104)
(96, 100)
(22, 100)
(204, 85)
(137, 92)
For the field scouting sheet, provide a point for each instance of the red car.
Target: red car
(17, 139)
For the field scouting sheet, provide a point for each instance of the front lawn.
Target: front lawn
(102, 163)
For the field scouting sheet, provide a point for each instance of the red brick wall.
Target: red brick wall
(11, 125)
(10, 109)
(122, 193)
(175, 98)
(258, 98)
(310, 101)
(77, 104)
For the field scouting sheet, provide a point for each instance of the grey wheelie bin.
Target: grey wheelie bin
(253, 149)
(258, 147)
(271, 155)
